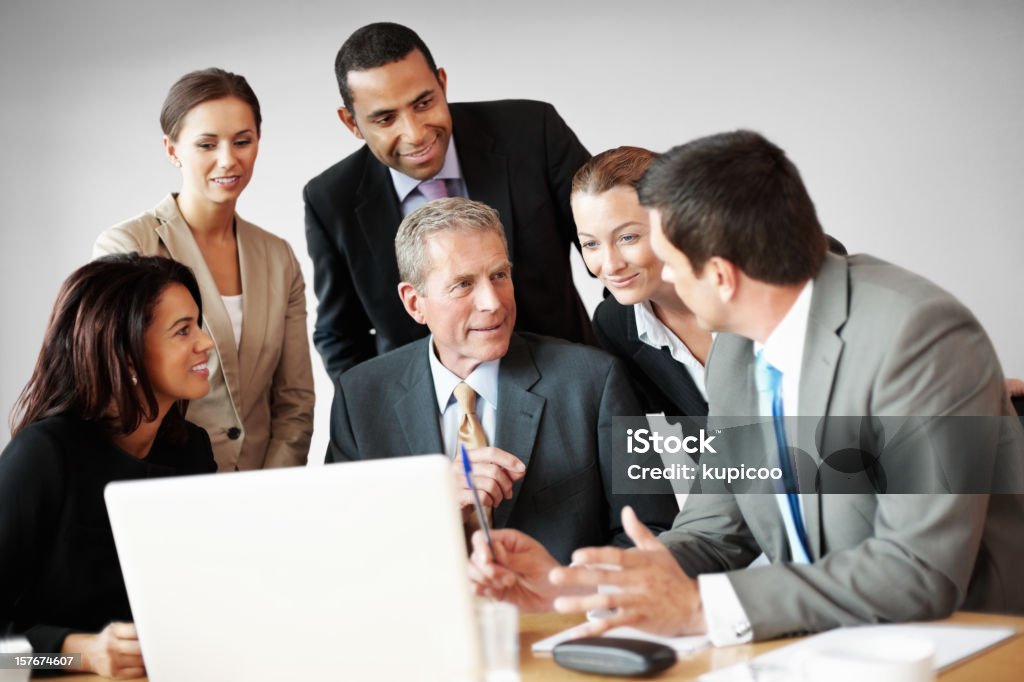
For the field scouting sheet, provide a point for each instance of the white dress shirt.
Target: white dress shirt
(726, 618)
(405, 187)
(483, 380)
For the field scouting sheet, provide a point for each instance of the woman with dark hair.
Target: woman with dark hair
(643, 321)
(123, 353)
(259, 412)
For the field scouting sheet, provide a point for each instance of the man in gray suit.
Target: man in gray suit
(810, 334)
(544, 405)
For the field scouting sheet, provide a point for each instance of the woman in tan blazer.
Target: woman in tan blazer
(259, 412)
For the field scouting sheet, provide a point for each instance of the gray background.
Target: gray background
(906, 119)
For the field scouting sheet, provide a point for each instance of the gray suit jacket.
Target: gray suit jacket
(881, 341)
(556, 401)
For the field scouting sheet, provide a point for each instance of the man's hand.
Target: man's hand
(518, 574)
(113, 652)
(494, 472)
(656, 595)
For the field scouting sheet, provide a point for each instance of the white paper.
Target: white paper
(952, 643)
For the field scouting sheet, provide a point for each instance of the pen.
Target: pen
(481, 517)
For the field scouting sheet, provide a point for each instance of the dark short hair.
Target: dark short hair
(736, 196)
(95, 343)
(375, 45)
(622, 166)
(197, 87)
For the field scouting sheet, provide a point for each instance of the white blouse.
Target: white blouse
(233, 304)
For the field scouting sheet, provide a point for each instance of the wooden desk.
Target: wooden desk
(1002, 663)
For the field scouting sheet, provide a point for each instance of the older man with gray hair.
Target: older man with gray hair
(534, 413)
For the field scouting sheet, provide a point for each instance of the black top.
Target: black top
(662, 384)
(517, 156)
(59, 571)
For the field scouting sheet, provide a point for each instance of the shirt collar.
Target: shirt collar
(784, 347)
(451, 170)
(654, 333)
(483, 380)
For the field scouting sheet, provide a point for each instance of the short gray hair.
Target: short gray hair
(453, 213)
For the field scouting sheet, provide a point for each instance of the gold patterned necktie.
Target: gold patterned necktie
(472, 435)
(471, 431)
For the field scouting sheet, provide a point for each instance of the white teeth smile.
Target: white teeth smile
(420, 153)
(200, 367)
(226, 181)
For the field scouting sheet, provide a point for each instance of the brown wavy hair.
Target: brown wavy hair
(622, 166)
(95, 343)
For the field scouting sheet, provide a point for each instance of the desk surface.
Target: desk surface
(1002, 663)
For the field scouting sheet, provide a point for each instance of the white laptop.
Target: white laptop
(344, 572)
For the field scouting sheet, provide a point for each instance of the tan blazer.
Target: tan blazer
(261, 392)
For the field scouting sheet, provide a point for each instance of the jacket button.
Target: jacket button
(234, 432)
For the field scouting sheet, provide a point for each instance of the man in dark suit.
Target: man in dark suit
(518, 156)
(544, 406)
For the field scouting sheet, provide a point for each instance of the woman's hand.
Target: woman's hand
(113, 652)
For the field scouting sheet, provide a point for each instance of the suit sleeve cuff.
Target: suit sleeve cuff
(726, 618)
(47, 638)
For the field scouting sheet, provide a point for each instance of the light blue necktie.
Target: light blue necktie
(769, 379)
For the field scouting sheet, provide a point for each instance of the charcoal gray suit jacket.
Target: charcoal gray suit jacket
(555, 406)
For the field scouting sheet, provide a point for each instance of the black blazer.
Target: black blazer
(662, 384)
(517, 156)
(556, 403)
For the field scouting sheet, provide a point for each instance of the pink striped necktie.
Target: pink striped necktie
(433, 189)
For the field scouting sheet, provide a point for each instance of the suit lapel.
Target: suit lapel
(761, 512)
(671, 377)
(822, 345)
(733, 357)
(822, 350)
(415, 409)
(177, 238)
(379, 215)
(252, 261)
(485, 171)
(519, 414)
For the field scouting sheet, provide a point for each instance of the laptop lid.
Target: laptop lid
(351, 571)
